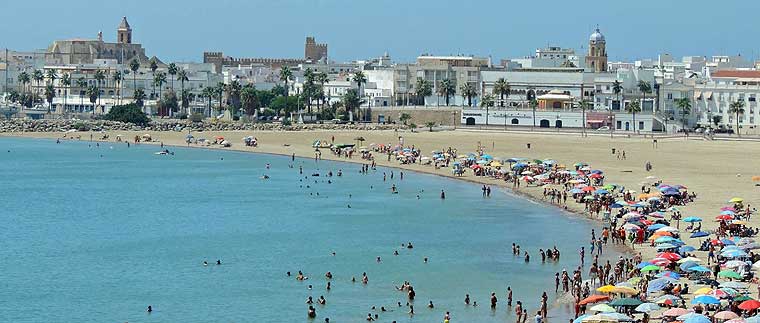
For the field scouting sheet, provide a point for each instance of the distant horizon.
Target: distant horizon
(358, 31)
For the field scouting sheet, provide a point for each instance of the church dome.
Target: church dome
(596, 36)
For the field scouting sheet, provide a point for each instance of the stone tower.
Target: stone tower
(124, 33)
(596, 60)
(313, 51)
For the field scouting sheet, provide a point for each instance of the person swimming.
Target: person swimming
(443, 195)
(322, 300)
(218, 261)
(312, 312)
(150, 309)
(265, 176)
(205, 263)
(309, 301)
(430, 305)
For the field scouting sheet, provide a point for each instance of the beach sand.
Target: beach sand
(715, 170)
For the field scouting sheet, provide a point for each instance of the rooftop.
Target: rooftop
(736, 73)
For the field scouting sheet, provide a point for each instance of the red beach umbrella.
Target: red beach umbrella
(669, 256)
(593, 299)
(749, 305)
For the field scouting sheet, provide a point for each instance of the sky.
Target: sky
(181, 30)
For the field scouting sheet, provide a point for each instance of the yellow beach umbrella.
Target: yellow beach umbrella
(736, 200)
(496, 164)
(703, 291)
(624, 290)
(606, 289)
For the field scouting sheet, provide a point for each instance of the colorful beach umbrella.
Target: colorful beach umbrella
(725, 315)
(749, 305)
(705, 299)
(692, 219)
(698, 319)
(699, 234)
(594, 299)
(647, 307)
(650, 268)
(676, 311)
(729, 274)
(736, 200)
(602, 308)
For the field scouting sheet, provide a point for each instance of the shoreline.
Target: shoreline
(561, 307)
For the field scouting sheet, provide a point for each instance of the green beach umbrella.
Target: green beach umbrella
(729, 274)
(626, 302)
(743, 298)
(649, 268)
(602, 308)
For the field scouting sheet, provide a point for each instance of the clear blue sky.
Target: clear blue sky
(355, 29)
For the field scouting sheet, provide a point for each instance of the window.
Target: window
(670, 96)
(619, 124)
(641, 125)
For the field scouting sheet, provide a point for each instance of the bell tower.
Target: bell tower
(596, 60)
(124, 33)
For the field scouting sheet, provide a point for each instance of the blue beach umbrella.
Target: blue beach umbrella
(666, 246)
(657, 285)
(733, 254)
(698, 319)
(580, 318)
(728, 242)
(669, 274)
(576, 191)
(705, 299)
(616, 205)
(727, 212)
(486, 156)
(656, 226)
(664, 239)
(686, 249)
(685, 266)
(699, 269)
(643, 264)
(699, 234)
(692, 219)
(602, 191)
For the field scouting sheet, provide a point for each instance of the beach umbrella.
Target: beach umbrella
(692, 219)
(685, 266)
(654, 227)
(600, 319)
(657, 285)
(669, 256)
(594, 299)
(699, 269)
(699, 234)
(580, 318)
(703, 291)
(743, 298)
(729, 274)
(687, 316)
(733, 254)
(749, 305)
(667, 300)
(647, 307)
(667, 229)
(657, 214)
(705, 299)
(676, 311)
(646, 263)
(602, 191)
(650, 268)
(670, 274)
(619, 302)
(719, 293)
(734, 264)
(727, 242)
(606, 288)
(724, 217)
(698, 319)
(734, 285)
(736, 200)
(728, 212)
(602, 308)
(664, 239)
(631, 227)
(625, 290)
(725, 315)
(685, 249)
(689, 259)
(736, 320)
(665, 246)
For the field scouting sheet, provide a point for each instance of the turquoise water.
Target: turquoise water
(96, 234)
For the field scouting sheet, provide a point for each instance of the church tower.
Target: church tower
(596, 60)
(124, 33)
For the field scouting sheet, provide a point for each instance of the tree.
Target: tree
(182, 78)
(139, 97)
(172, 69)
(219, 91)
(501, 87)
(131, 113)
(249, 99)
(468, 90)
(168, 103)
(82, 85)
(422, 89)
(93, 93)
(285, 75)
(322, 78)
(309, 87)
(153, 68)
(351, 100)
(49, 95)
(684, 104)
(737, 108)
(645, 89)
(51, 76)
(360, 79)
(117, 77)
(99, 77)
(633, 108)
(134, 65)
(158, 81)
(716, 119)
(617, 88)
(446, 89)
(488, 102)
(584, 105)
(66, 82)
(186, 97)
(404, 117)
(38, 77)
(23, 79)
(233, 96)
(208, 93)
(430, 125)
(533, 105)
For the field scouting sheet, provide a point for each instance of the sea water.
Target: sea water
(96, 234)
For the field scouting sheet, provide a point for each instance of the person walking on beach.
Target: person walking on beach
(509, 296)
(556, 282)
(583, 255)
(493, 301)
(518, 311)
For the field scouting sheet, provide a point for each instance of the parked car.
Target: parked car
(603, 128)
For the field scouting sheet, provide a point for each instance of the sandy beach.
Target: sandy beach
(715, 170)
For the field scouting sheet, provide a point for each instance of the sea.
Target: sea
(99, 232)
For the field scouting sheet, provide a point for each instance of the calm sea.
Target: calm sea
(96, 234)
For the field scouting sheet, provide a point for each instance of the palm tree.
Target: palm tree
(487, 102)
(66, 82)
(51, 76)
(172, 70)
(182, 78)
(422, 89)
(446, 89)
(633, 108)
(153, 68)
(38, 77)
(158, 81)
(117, 76)
(430, 125)
(219, 91)
(93, 93)
(645, 89)
(360, 79)
(351, 100)
(617, 88)
(233, 96)
(502, 88)
(139, 98)
(737, 108)
(322, 78)
(23, 79)
(248, 99)
(533, 105)
(82, 85)
(469, 91)
(685, 105)
(99, 77)
(134, 65)
(208, 93)
(584, 104)
(49, 95)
